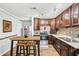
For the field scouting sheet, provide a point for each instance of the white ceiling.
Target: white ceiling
(43, 10)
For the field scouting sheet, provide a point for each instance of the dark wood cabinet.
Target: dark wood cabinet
(45, 22)
(66, 18)
(41, 22)
(75, 12)
(50, 39)
(52, 24)
(69, 17)
(49, 22)
(64, 51)
(36, 24)
(58, 46)
(63, 48)
(58, 21)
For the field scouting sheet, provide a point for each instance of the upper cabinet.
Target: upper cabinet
(36, 24)
(66, 18)
(44, 22)
(74, 15)
(41, 22)
(69, 17)
(52, 24)
(58, 21)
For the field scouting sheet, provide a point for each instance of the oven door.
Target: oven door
(44, 41)
(44, 37)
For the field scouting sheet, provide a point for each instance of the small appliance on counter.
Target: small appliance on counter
(36, 32)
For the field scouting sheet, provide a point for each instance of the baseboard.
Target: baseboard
(5, 52)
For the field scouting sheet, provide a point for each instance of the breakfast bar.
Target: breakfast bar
(34, 38)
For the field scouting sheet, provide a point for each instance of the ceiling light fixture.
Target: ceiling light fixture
(33, 8)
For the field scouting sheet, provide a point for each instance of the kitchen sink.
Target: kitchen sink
(69, 39)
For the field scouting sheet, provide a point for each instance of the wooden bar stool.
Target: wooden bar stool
(25, 48)
(31, 48)
(20, 49)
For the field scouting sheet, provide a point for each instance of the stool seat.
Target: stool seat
(30, 44)
(26, 45)
(20, 44)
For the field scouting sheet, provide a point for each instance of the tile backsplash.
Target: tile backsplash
(74, 31)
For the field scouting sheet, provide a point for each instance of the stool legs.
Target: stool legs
(34, 50)
(29, 50)
(20, 50)
(25, 50)
(17, 48)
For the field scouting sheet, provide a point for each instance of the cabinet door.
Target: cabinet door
(49, 22)
(64, 50)
(36, 24)
(75, 14)
(42, 22)
(45, 22)
(53, 23)
(50, 39)
(66, 18)
(57, 22)
(58, 45)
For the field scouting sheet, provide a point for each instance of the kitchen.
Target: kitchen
(64, 31)
(59, 32)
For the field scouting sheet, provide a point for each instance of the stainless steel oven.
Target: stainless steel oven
(44, 39)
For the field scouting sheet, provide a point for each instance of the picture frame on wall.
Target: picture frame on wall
(7, 26)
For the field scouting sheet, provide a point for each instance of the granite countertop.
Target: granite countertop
(73, 44)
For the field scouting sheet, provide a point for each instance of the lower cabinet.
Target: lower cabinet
(50, 39)
(64, 49)
(58, 46)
